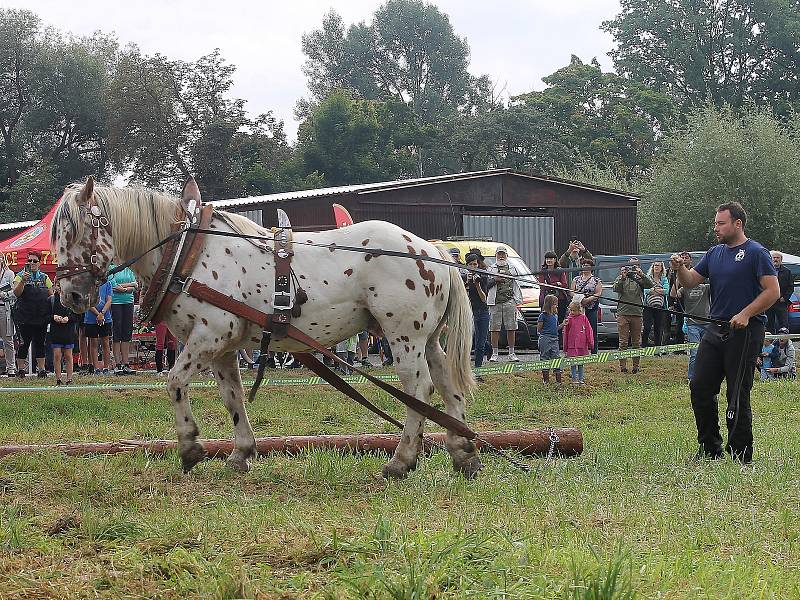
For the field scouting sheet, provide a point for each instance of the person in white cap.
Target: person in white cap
(504, 296)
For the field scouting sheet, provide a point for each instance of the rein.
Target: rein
(183, 283)
(522, 277)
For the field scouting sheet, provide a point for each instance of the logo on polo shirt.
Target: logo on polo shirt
(739, 255)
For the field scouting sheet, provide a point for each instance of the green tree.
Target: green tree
(52, 111)
(726, 51)
(160, 109)
(719, 157)
(20, 54)
(409, 54)
(355, 141)
(582, 115)
(252, 161)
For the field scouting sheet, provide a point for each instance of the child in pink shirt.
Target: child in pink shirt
(578, 338)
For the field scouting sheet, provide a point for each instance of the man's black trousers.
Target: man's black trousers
(731, 355)
(778, 317)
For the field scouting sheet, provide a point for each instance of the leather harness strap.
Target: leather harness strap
(313, 364)
(282, 298)
(220, 300)
(158, 284)
(192, 247)
(97, 221)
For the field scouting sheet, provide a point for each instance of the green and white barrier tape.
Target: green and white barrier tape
(491, 369)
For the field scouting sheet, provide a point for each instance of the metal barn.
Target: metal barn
(533, 213)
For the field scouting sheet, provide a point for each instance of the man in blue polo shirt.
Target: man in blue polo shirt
(744, 284)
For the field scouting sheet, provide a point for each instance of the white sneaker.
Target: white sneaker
(494, 357)
(513, 357)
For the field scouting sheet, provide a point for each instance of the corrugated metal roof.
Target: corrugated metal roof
(17, 225)
(403, 183)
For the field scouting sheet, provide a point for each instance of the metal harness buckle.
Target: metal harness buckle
(180, 286)
(285, 302)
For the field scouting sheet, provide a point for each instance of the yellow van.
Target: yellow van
(529, 307)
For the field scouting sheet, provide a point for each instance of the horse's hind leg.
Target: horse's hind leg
(416, 379)
(229, 380)
(187, 364)
(463, 451)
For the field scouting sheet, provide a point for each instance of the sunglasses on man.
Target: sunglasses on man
(33, 260)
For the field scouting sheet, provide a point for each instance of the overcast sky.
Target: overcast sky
(516, 43)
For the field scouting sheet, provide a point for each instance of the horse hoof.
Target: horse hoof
(469, 468)
(193, 455)
(394, 469)
(238, 463)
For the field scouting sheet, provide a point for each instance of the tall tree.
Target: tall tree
(52, 111)
(356, 141)
(718, 157)
(161, 108)
(582, 115)
(728, 51)
(20, 54)
(408, 54)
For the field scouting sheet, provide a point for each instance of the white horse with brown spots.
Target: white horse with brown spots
(410, 301)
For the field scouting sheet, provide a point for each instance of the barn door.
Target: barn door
(531, 237)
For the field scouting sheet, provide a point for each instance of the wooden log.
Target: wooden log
(529, 442)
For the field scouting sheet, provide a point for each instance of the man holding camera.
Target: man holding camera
(504, 295)
(630, 286)
(477, 286)
(744, 284)
(33, 289)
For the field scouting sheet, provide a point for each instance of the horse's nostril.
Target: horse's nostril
(76, 297)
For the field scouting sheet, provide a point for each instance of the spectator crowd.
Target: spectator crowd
(651, 308)
(99, 342)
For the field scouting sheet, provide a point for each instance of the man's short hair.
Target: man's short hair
(737, 211)
(35, 253)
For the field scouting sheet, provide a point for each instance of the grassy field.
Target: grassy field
(629, 518)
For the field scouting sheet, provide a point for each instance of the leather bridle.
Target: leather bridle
(97, 221)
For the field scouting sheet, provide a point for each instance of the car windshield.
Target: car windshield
(522, 269)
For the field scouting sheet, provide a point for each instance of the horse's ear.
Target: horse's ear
(191, 191)
(86, 191)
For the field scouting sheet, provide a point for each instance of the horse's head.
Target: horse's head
(81, 238)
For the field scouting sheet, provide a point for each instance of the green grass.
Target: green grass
(629, 518)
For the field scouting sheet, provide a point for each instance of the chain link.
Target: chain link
(554, 439)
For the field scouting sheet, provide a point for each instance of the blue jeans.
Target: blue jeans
(591, 314)
(479, 335)
(695, 334)
(576, 372)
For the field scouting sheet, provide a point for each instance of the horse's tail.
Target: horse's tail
(458, 317)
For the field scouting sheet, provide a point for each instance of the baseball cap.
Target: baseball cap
(783, 330)
(502, 249)
(455, 252)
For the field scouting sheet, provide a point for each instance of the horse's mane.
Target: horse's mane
(138, 216)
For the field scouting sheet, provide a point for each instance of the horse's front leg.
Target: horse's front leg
(189, 362)
(229, 380)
